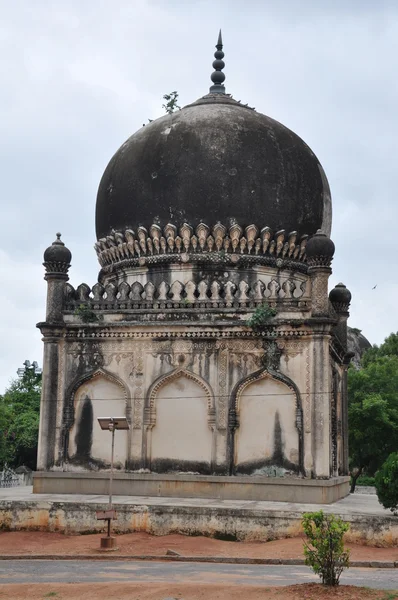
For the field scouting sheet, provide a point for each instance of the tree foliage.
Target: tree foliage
(373, 408)
(19, 420)
(324, 547)
(387, 483)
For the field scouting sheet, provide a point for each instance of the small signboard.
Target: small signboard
(117, 422)
(103, 515)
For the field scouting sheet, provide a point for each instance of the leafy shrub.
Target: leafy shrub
(324, 548)
(386, 482)
(365, 480)
(85, 314)
(261, 316)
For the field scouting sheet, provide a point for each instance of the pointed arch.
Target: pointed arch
(172, 376)
(91, 375)
(70, 404)
(234, 410)
(180, 431)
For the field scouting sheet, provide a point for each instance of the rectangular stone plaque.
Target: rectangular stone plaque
(106, 514)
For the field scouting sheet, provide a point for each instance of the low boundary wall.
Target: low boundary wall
(222, 522)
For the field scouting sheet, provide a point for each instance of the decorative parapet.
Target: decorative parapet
(204, 294)
(205, 243)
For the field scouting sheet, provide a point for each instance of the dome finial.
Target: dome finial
(218, 76)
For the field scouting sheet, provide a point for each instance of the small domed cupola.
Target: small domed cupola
(340, 297)
(319, 250)
(57, 257)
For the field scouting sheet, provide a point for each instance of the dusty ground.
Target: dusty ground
(136, 544)
(122, 591)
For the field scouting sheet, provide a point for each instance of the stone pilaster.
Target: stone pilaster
(320, 251)
(321, 387)
(340, 298)
(344, 411)
(55, 296)
(319, 290)
(57, 263)
(48, 404)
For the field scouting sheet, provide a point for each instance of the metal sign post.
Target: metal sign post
(110, 424)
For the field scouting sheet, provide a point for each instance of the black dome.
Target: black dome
(319, 245)
(57, 252)
(214, 161)
(340, 295)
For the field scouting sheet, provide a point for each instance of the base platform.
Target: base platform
(278, 489)
(20, 509)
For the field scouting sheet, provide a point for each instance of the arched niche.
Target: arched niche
(267, 425)
(99, 394)
(180, 424)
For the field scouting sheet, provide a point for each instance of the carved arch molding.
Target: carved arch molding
(69, 406)
(150, 405)
(233, 413)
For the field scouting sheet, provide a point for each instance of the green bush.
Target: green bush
(259, 319)
(85, 314)
(324, 548)
(386, 482)
(365, 480)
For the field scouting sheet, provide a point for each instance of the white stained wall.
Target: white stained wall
(181, 431)
(259, 405)
(107, 399)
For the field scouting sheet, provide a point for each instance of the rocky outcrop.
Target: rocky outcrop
(358, 344)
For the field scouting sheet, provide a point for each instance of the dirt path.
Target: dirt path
(49, 544)
(128, 591)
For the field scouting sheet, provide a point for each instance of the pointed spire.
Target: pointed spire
(218, 76)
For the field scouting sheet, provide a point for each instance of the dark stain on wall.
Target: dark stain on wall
(84, 435)
(278, 458)
(278, 455)
(173, 465)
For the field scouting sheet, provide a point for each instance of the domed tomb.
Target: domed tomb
(210, 329)
(215, 160)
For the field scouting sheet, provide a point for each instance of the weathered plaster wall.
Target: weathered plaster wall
(202, 392)
(178, 394)
(181, 438)
(267, 434)
(98, 397)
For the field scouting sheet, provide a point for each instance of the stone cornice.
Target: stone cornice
(207, 244)
(103, 334)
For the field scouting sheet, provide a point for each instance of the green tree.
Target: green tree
(372, 434)
(388, 348)
(373, 408)
(19, 420)
(387, 483)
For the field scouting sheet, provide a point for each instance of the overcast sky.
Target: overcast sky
(79, 77)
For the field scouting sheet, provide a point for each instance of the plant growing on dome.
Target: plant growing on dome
(85, 314)
(261, 316)
(171, 102)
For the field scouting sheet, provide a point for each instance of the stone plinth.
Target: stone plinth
(316, 491)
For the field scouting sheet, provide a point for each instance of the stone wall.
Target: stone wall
(205, 400)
